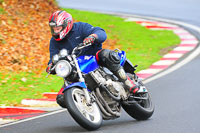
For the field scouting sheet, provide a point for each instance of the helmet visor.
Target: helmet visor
(56, 29)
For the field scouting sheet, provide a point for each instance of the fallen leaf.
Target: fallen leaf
(23, 79)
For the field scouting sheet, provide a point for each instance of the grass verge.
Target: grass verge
(17, 86)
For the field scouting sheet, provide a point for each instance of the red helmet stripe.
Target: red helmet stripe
(60, 18)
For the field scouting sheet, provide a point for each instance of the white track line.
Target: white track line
(32, 118)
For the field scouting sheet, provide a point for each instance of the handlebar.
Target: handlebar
(79, 47)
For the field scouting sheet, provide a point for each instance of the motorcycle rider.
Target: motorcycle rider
(67, 34)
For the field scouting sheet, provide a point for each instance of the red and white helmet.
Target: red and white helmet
(60, 19)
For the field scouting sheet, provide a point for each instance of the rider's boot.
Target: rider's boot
(111, 60)
(123, 77)
(60, 98)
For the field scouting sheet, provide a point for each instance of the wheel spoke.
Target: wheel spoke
(78, 99)
(78, 102)
(87, 115)
(82, 106)
(90, 112)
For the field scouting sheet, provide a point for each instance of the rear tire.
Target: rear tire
(139, 109)
(89, 117)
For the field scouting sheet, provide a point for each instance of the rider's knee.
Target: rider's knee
(109, 59)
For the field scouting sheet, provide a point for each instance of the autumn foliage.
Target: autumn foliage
(25, 34)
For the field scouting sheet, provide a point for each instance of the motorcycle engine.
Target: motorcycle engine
(108, 80)
(108, 98)
(116, 88)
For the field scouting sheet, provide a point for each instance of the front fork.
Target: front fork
(81, 79)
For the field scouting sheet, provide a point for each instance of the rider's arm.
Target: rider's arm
(52, 49)
(87, 29)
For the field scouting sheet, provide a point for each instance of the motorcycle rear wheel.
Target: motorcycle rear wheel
(139, 109)
(87, 116)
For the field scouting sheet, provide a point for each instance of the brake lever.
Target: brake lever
(50, 71)
(48, 75)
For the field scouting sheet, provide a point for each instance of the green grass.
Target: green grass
(15, 87)
(143, 47)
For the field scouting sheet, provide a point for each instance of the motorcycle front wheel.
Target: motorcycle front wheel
(139, 106)
(86, 115)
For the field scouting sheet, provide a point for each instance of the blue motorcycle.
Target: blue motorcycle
(93, 93)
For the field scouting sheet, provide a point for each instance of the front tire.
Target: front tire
(87, 116)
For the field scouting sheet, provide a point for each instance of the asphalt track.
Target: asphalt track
(176, 94)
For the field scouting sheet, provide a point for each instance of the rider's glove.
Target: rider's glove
(90, 39)
(48, 68)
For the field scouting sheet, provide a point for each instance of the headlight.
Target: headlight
(63, 68)
(63, 53)
(55, 58)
